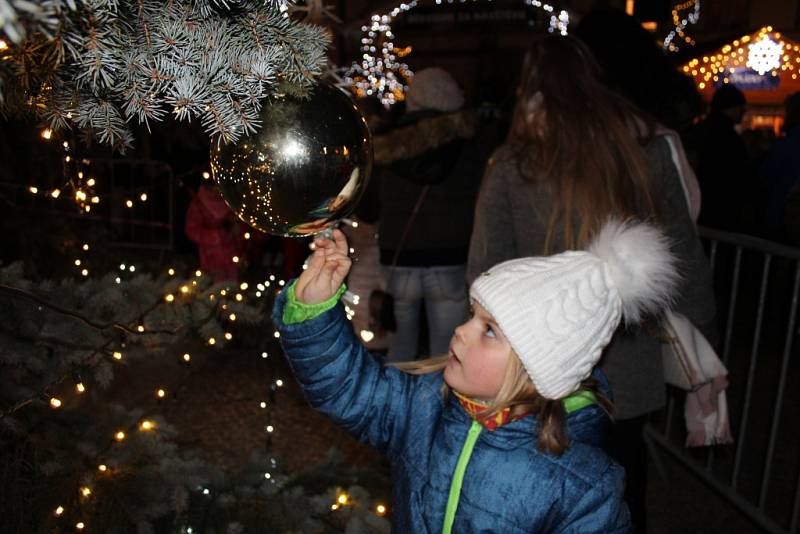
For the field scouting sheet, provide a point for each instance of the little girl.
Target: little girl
(517, 446)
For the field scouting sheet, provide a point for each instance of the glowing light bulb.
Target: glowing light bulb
(143, 197)
(263, 404)
(102, 467)
(160, 393)
(140, 328)
(129, 203)
(80, 387)
(169, 298)
(59, 510)
(232, 317)
(90, 182)
(85, 272)
(367, 335)
(184, 289)
(86, 246)
(235, 259)
(171, 271)
(198, 273)
(33, 189)
(119, 436)
(55, 402)
(147, 425)
(80, 525)
(187, 357)
(212, 341)
(117, 355)
(380, 509)
(247, 235)
(279, 383)
(55, 193)
(206, 175)
(47, 133)
(342, 499)
(86, 491)
(270, 428)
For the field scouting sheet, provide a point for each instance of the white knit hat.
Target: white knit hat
(434, 88)
(559, 312)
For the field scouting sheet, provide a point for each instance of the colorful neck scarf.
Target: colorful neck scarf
(475, 407)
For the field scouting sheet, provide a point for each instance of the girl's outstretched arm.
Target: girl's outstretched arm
(338, 375)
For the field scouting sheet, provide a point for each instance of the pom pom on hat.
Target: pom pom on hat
(640, 264)
(435, 89)
(559, 312)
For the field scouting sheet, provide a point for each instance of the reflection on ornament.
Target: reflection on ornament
(764, 55)
(305, 169)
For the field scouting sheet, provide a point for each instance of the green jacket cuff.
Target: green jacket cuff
(297, 312)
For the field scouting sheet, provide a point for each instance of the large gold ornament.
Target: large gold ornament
(306, 168)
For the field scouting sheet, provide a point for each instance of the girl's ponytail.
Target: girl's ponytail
(552, 426)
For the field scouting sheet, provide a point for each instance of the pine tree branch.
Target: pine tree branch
(15, 292)
(19, 293)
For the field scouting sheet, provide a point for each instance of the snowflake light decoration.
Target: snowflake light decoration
(764, 55)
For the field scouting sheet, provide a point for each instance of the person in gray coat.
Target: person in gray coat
(577, 154)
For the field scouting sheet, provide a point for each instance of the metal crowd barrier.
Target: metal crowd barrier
(756, 285)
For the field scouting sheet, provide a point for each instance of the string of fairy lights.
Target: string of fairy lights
(765, 52)
(79, 182)
(683, 14)
(381, 71)
(179, 293)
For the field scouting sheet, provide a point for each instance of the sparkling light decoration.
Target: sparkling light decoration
(681, 19)
(382, 74)
(717, 69)
(764, 55)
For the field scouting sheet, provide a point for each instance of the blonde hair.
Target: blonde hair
(518, 393)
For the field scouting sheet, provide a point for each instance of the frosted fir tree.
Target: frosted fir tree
(72, 458)
(98, 65)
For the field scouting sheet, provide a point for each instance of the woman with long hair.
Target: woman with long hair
(576, 155)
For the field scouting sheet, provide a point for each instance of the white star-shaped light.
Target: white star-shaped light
(764, 55)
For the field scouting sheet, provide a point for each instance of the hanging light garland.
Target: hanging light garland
(681, 19)
(381, 72)
(765, 52)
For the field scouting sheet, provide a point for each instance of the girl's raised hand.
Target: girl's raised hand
(327, 269)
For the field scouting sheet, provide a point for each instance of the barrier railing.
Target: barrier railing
(756, 285)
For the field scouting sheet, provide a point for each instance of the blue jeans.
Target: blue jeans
(444, 290)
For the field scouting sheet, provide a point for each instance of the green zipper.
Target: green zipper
(458, 476)
(572, 403)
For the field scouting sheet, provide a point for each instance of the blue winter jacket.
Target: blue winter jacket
(509, 486)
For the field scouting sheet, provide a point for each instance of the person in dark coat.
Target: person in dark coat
(428, 170)
(719, 156)
(781, 173)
